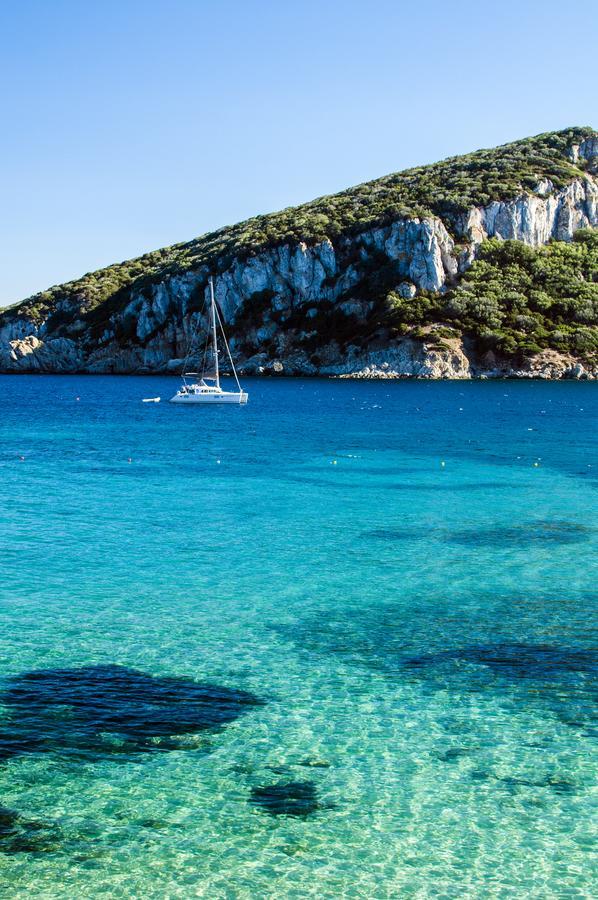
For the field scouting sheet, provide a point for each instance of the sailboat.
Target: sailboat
(207, 389)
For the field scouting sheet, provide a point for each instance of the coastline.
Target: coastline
(405, 361)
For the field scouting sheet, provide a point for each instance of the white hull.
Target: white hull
(237, 397)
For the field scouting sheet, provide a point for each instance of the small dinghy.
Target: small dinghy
(151, 400)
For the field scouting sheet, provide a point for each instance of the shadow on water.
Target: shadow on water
(112, 711)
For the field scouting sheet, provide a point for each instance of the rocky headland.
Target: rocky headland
(404, 276)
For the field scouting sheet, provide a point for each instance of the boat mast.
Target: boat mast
(214, 339)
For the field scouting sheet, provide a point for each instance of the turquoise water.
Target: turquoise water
(338, 643)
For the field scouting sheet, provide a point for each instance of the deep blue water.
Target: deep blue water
(340, 642)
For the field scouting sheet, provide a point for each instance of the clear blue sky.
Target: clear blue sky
(130, 125)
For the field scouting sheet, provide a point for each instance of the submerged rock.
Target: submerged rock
(516, 660)
(498, 537)
(555, 783)
(453, 754)
(21, 835)
(288, 798)
(315, 763)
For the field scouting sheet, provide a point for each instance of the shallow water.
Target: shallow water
(340, 642)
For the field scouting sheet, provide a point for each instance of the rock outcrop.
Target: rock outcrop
(30, 354)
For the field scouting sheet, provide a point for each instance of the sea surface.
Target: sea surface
(338, 643)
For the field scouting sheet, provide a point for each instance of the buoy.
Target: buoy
(217, 462)
(536, 464)
(22, 458)
(333, 462)
(77, 398)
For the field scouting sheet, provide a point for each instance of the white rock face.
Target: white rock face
(587, 150)
(536, 220)
(296, 281)
(422, 248)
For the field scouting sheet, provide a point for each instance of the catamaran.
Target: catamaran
(207, 389)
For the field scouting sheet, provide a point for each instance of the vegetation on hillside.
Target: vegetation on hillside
(517, 300)
(445, 188)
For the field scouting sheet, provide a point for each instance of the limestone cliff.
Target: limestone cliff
(312, 306)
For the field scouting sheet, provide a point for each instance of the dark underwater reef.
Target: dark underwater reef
(102, 712)
(112, 712)
(470, 646)
(21, 835)
(77, 711)
(515, 660)
(523, 535)
(288, 798)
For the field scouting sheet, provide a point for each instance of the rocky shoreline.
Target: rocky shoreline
(403, 359)
(437, 365)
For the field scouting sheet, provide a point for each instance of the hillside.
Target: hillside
(424, 272)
